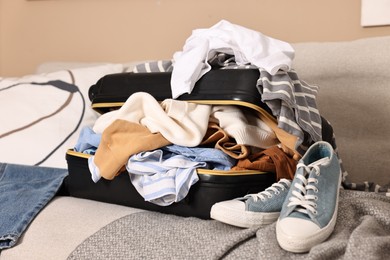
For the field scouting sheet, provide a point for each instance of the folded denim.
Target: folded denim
(24, 191)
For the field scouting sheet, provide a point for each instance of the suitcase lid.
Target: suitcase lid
(217, 87)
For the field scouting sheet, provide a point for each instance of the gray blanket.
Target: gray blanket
(362, 232)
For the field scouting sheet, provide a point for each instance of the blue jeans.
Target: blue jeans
(24, 191)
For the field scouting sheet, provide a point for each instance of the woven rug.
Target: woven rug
(150, 235)
(362, 232)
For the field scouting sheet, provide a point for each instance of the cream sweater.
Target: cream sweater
(180, 122)
(244, 126)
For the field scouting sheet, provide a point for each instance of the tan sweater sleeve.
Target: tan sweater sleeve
(120, 140)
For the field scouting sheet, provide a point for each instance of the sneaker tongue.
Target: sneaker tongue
(320, 161)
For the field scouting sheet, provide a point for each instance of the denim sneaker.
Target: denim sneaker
(309, 212)
(253, 210)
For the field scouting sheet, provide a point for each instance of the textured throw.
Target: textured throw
(362, 232)
(150, 235)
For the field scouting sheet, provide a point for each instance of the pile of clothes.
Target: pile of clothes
(161, 144)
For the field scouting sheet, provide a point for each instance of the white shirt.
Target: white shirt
(246, 45)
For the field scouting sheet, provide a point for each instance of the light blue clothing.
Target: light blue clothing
(93, 169)
(165, 176)
(162, 181)
(24, 191)
(215, 158)
(88, 141)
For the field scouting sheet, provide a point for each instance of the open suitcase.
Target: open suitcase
(232, 87)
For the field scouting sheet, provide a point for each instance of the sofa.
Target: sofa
(354, 82)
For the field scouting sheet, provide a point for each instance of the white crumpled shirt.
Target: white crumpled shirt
(248, 47)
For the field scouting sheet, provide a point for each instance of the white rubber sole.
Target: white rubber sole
(303, 244)
(242, 218)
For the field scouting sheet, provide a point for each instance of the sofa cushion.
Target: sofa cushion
(354, 82)
(43, 114)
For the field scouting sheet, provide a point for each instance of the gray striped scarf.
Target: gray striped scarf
(293, 102)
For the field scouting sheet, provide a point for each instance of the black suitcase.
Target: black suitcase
(213, 186)
(232, 87)
(221, 86)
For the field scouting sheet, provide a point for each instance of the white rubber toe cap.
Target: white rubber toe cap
(231, 205)
(297, 227)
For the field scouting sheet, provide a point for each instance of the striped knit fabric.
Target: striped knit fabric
(154, 66)
(293, 102)
(162, 181)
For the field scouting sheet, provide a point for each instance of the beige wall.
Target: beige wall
(32, 32)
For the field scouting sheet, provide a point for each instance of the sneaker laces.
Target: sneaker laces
(267, 193)
(306, 202)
